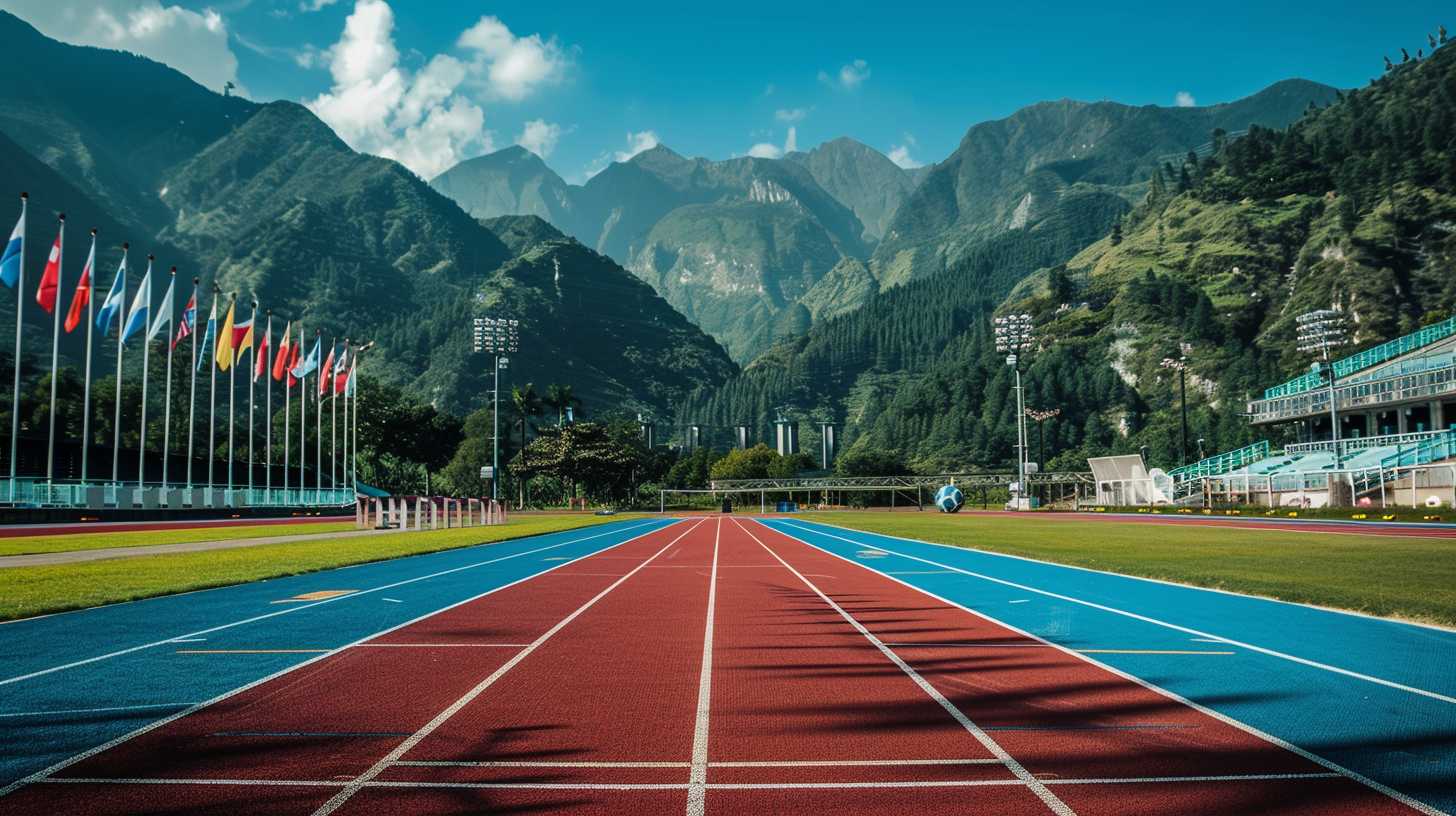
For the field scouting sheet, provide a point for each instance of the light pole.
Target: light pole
(495, 336)
(1201, 457)
(1040, 417)
(1180, 364)
(1013, 338)
(1320, 331)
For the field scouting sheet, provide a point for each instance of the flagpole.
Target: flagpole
(344, 465)
(192, 397)
(146, 358)
(287, 413)
(268, 415)
(302, 424)
(86, 399)
(167, 403)
(19, 321)
(56, 347)
(232, 388)
(212, 401)
(116, 418)
(357, 389)
(318, 435)
(252, 382)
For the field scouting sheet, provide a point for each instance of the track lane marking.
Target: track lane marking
(45, 774)
(1055, 804)
(1434, 695)
(698, 775)
(424, 731)
(301, 607)
(1223, 718)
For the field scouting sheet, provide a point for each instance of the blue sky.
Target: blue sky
(432, 82)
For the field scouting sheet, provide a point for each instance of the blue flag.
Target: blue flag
(115, 299)
(10, 258)
(141, 306)
(207, 337)
(311, 362)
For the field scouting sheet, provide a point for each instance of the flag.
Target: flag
(82, 297)
(207, 335)
(141, 304)
(115, 299)
(188, 322)
(326, 372)
(242, 339)
(260, 366)
(352, 386)
(310, 362)
(280, 363)
(342, 371)
(50, 279)
(224, 354)
(293, 360)
(10, 258)
(164, 313)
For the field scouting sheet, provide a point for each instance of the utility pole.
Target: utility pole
(1013, 338)
(1320, 331)
(1180, 364)
(495, 336)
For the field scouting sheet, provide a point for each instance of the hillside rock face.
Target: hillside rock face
(513, 181)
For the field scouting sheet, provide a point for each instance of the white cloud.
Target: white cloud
(193, 42)
(512, 66)
(900, 153)
(790, 115)
(539, 137)
(425, 119)
(849, 77)
(1183, 99)
(768, 150)
(637, 142)
(315, 5)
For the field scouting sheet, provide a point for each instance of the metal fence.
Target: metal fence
(94, 496)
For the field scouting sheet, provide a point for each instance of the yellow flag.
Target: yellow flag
(225, 341)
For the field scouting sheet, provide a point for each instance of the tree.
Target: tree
(461, 477)
(560, 397)
(525, 403)
(751, 463)
(1060, 285)
(1116, 237)
(863, 460)
(583, 454)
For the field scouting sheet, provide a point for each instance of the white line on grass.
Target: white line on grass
(299, 608)
(414, 739)
(1050, 799)
(1434, 695)
(44, 775)
(1223, 718)
(698, 775)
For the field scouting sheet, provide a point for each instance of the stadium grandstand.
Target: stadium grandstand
(1396, 408)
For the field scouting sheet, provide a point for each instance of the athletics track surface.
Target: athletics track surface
(726, 666)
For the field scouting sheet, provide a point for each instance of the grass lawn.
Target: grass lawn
(27, 591)
(101, 540)
(1393, 576)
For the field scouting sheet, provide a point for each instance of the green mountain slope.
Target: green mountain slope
(1011, 173)
(513, 181)
(861, 178)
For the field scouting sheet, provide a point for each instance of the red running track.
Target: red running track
(714, 666)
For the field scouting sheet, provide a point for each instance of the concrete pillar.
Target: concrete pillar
(1438, 420)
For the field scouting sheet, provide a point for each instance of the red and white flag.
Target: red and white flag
(50, 279)
(82, 298)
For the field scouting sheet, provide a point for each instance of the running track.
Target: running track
(733, 666)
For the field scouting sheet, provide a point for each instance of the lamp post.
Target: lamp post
(1180, 364)
(495, 336)
(1201, 456)
(1320, 331)
(1013, 338)
(1040, 417)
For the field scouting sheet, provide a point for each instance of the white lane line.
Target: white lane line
(968, 645)
(635, 786)
(505, 763)
(855, 763)
(1178, 698)
(1434, 695)
(299, 608)
(187, 640)
(414, 739)
(1048, 798)
(698, 775)
(56, 711)
(44, 774)
(1020, 601)
(391, 600)
(787, 763)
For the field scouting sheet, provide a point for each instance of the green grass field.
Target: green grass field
(1393, 576)
(102, 540)
(27, 591)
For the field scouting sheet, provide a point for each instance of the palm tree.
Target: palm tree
(526, 403)
(561, 398)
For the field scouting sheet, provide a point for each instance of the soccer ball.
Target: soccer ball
(949, 499)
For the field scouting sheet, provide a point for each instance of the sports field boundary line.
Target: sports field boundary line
(1380, 787)
(357, 784)
(45, 773)
(1162, 581)
(1051, 800)
(698, 769)
(1264, 650)
(299, 608)
(352, 565)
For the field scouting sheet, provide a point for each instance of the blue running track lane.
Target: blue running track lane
(1374, 696)
(72, 681)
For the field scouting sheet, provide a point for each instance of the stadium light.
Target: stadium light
(1318, 332)
(1180, 364)
(1014, 337)
(496, 336)
(1040, 417)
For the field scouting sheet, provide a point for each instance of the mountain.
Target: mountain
(861, 178)
(513, 181)
(1011, 173)
(273, 204)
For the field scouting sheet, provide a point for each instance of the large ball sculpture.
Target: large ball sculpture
(949, 499)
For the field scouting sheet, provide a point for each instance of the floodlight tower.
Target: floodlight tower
(1180, 364)
(1320, 331)
(1013, 338)
(1040, 417)
(495, 336)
